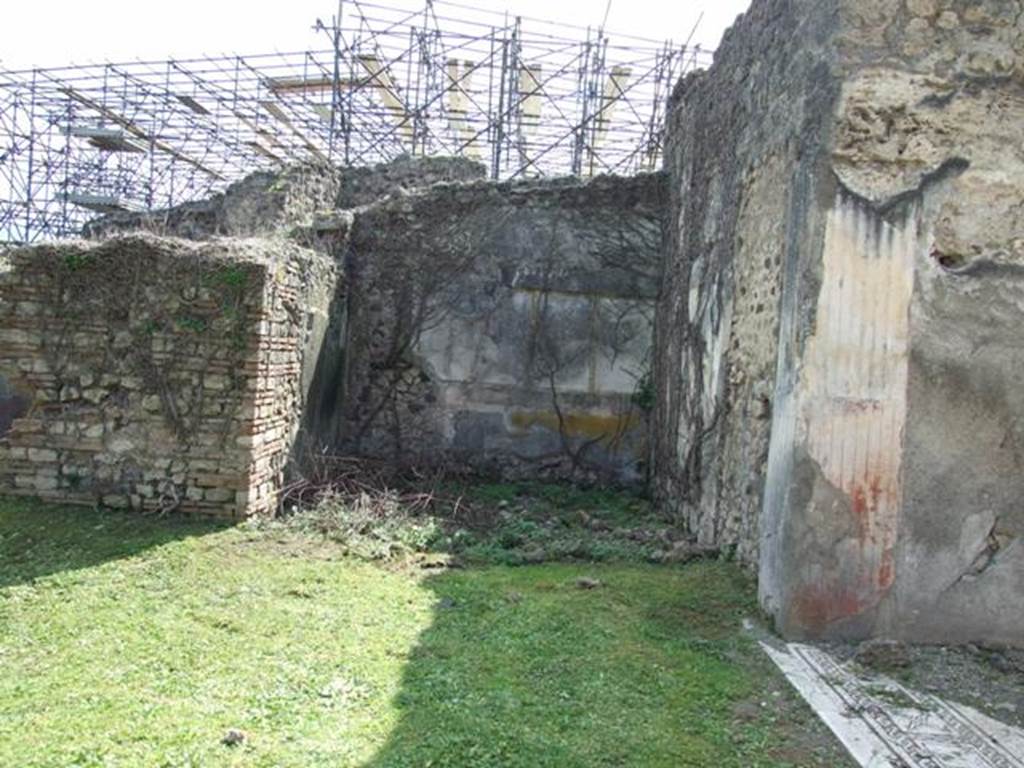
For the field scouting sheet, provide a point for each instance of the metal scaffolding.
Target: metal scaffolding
(524, 97)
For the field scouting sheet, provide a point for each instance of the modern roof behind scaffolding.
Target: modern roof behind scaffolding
(523, 97)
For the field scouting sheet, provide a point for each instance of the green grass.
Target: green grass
(128, 641)
(538, 522)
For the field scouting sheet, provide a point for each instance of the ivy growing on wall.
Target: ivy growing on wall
(167, 327)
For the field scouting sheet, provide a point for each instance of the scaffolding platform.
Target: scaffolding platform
(102, 203)
(108, 139)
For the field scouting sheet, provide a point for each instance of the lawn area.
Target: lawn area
(129, 641)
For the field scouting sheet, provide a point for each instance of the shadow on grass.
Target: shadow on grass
(38, 540)
(580, 666)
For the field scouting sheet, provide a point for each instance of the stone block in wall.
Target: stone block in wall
(867, 172)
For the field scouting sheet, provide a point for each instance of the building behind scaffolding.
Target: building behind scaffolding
(523, 97)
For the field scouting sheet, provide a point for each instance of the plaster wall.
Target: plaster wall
(882, 495)
(503, 327)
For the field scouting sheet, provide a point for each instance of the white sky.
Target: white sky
(55, 32)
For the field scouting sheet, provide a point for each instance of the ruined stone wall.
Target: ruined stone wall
(496, 327)
(888, 501)
(363, 185)
(262, 203)
(502, 327)
(268, 201)
(155, 373)
(742, 154)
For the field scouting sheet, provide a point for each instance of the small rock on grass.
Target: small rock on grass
(685, 551)
(534, 556)
(882, 654)
(747, 711)
(234, 737)
(1006, 662)
(586, 582)
(439, 562)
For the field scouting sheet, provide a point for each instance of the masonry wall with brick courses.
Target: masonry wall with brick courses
(154, 373)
